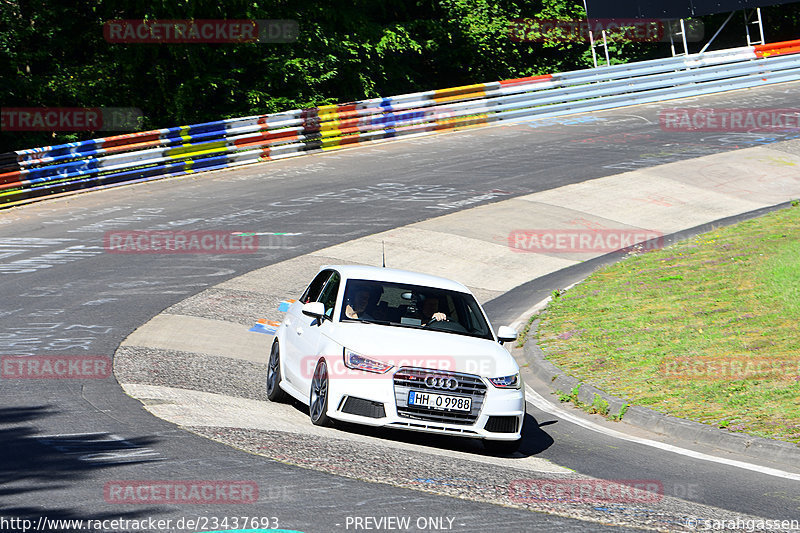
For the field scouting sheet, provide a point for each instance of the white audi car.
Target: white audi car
(386, 347)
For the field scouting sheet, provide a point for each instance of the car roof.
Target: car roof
(396, 275)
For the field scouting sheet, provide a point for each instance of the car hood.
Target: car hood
(425, 349)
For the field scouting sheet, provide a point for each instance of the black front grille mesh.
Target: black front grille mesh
(469, 385)
(415, 378)
(502, 424)
(362, 407)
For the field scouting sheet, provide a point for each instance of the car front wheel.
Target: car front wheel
(274, 391)
(318, 401)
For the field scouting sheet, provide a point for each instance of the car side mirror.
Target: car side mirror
(315, 310)
(506, 334)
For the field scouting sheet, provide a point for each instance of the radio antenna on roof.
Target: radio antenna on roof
(383, 253)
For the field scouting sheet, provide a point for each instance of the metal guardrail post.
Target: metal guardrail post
(758, 21)
(591, 46)
(682, 34)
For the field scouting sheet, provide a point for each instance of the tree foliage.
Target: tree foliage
(53, 54)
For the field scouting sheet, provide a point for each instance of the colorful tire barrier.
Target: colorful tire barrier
(28, 175)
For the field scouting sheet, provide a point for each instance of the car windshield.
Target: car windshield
(413, 306)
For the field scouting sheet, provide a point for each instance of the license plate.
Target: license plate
(439, 401)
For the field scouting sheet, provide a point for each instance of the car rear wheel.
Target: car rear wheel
(274, 391)
(318, 401)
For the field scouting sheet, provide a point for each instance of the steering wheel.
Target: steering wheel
(446, 325)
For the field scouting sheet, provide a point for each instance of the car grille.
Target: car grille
(470, 385)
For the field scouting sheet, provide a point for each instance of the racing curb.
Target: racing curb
(751, 446)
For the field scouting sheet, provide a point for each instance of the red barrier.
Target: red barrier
(529, 79)
(777, 49)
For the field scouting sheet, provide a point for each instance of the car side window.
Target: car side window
(472, 323)
(329, 293)
(315, 287)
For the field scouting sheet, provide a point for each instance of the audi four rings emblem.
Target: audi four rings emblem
(436, 382)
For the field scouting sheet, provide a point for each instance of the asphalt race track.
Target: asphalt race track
(65, 441)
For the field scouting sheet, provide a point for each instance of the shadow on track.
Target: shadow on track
(34, 463)
(534, 439)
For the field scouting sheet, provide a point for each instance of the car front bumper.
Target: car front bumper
(381, 401)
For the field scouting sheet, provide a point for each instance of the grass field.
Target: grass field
(707, 329)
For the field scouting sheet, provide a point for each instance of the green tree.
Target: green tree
(55, 55)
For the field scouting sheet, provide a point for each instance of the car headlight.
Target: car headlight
(357, 361)
(507, 382)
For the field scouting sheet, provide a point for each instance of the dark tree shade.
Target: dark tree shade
(54, 54)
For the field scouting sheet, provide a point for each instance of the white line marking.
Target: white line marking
(537, 400)
(523, 318)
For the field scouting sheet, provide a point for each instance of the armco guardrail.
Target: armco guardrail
(27, 175)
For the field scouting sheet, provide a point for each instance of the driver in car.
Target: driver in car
(430, 311)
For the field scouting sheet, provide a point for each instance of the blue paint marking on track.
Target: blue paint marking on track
(270, 326)
(263, 328)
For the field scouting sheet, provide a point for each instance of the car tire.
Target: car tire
(318, 398)
(504, 447)
(274, 391)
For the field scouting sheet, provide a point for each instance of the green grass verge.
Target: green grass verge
(707, 329)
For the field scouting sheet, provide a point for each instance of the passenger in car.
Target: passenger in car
(357, 305)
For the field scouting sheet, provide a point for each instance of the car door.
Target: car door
(294, 344)
(307, 331)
